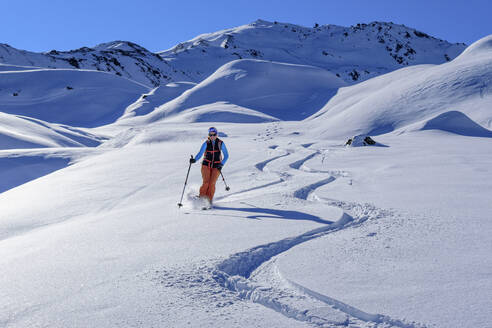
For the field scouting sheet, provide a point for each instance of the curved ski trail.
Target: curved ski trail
(245, 272)
(238, 273)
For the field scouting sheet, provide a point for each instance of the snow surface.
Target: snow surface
(121, 253)
(156, 97)
(355, 53)
(252, 88)
(311, 233)
(25, 132)
(72, 97)
(397, 99)
(424, 258)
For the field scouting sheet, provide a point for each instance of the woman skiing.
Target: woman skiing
(212, 163)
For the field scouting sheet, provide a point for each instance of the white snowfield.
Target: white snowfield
(254, 85)
(19, 131)
(68, 96)
(310, 234)
(394, 100)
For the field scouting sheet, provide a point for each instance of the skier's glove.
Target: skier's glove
(192, 160)
(219, 167)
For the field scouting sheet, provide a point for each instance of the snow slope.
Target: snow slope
(19, 166)
(424, 257)
(355, 53)
(114, 279)
(310, 234)
(156, 97)
(254, 88)
(122, 58)
(23, 132)
(7, 67)
(102, 242)
(67, 96)
(453, 122)
(397, 99)
(47, 108)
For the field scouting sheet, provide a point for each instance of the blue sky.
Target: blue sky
(158, 25)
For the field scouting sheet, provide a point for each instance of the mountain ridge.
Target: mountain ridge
(387, 46)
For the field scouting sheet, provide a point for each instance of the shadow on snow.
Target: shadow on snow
(269, 213)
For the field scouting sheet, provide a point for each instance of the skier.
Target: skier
(212, 163)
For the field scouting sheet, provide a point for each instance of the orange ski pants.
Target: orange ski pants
(209, 176)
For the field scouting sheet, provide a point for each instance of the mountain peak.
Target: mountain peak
(353, 54)
(120, 45)
(261, 22)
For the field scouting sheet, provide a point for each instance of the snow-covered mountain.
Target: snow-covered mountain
(309, 234)
(354, 53)
(413, 94)
(249, 90)
(125, 59)
(255, 91)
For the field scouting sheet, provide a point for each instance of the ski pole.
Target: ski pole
(227, 187)
(186, 181)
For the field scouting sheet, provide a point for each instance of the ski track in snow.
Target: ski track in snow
(260, 166)
(297, 164)
(304, 192)
(253, 275)
(235, 272)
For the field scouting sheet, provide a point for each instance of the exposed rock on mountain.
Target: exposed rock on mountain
(353, 53)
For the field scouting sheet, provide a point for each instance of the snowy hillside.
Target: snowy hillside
(411, 95)
(355, 53)
(67, 96)
(304, 231)
(156, 97)
(18, 132)
(122, 58)
(310, 233)
(43, 113)
(247, 90)
(253, 91)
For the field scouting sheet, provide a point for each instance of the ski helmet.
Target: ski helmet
(212, 130)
